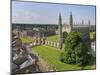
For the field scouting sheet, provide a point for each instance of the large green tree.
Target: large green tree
(76, 52)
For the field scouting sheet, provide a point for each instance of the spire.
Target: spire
(71, 20)
(82, 22)
(60, 19)
(60, 31)
(89, 24)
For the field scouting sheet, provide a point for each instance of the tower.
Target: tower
(82, 22)
(89, 24)
(71, 21)
(60, 31)
(89, 27)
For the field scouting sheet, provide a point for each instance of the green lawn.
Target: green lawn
(51, 55)
(26, 39)
(53, 38)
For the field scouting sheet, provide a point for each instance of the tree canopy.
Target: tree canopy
(76, 52)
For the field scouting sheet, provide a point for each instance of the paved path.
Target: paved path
(44, 66)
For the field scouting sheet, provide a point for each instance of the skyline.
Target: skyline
(48, 13)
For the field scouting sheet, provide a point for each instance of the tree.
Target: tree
(76, 52)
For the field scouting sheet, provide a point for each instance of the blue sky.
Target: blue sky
(44, 13)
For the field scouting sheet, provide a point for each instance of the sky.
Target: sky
(47, 13)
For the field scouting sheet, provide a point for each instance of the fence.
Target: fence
(51, 43)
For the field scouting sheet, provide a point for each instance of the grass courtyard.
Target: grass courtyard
(53, 38)
(51, 55)
(26, 39)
